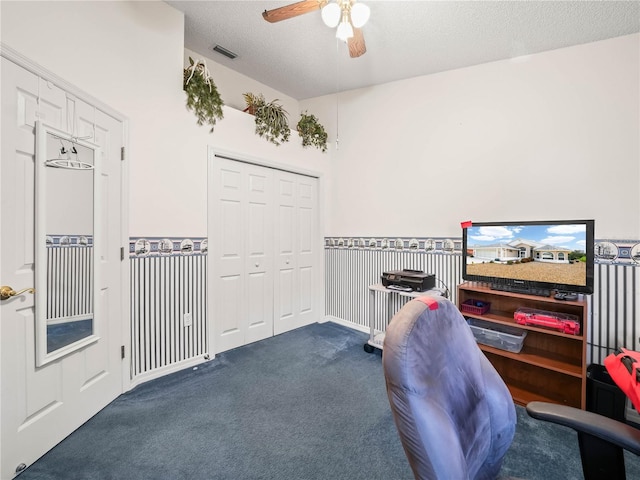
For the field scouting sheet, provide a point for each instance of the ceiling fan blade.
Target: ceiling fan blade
(293, 10)
(356, 44)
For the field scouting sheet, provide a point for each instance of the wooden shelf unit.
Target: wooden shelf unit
(551, 365)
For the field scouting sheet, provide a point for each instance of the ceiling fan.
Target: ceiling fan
(348, 15)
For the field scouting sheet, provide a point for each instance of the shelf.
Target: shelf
(481, 287)
(522, 397)
(503, 318)
(551, 366)
(537, 359)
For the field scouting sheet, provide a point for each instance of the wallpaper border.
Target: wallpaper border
(607, 251)
(140, 247)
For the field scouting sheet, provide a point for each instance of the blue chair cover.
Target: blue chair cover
(454, 414)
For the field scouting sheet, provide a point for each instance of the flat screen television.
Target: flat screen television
(535, 257)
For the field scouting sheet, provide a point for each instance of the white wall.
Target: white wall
(130, 56)
(552, 135)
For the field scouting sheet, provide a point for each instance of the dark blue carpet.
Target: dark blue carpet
(308, 404)
(62, 334)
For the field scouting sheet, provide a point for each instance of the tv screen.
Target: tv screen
(530, 257)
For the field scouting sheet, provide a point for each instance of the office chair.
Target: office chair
(454, 414)
(601, 439)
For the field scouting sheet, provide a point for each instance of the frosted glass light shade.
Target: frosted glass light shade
(345, 31)
(359, 14)
(331, 15)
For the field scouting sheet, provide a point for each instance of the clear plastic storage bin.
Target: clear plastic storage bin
(498, 336)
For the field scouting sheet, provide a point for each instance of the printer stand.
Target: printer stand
(376, 337)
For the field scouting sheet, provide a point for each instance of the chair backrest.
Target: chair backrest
(454, 414)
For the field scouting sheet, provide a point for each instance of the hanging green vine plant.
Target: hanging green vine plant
(272, 121)
(202, 95)
(312, 132)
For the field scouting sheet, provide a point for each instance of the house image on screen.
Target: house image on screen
(551, 254)
(519, 249)
(500, 252)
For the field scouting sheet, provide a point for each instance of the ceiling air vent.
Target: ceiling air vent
(224, 51)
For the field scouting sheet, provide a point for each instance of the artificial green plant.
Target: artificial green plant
(202, 95)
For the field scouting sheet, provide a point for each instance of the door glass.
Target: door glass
(66, 174)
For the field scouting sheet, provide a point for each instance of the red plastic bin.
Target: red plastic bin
(477, 307)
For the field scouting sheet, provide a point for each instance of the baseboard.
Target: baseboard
(344, 323)
(161, 372)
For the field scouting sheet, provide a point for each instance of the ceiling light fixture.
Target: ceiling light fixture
(345, 14)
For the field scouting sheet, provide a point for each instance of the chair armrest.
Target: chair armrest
(605, 428)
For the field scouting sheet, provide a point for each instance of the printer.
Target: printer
(413, 280)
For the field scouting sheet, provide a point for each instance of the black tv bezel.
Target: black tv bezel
(529, 284)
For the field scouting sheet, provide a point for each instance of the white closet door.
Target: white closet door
(296, 283)
(285, 294)
(264, 252)
(259, 253)
(242, 254)
(308, 254)
(226, 250)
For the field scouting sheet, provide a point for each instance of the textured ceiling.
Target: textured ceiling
(301, 57)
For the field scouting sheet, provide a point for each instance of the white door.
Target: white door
(258, 268)
(242, 254)
(296, 287)
(41, 406)
(308, 254)
(263, 227)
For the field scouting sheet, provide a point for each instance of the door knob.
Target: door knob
(8, 292)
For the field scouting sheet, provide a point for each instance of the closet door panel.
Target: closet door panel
(296, 252)
(305, 260)
(307, 253)
(258, 230)
(228, 259)
(285, 298)
(242, 253)
(231, 234)
(305, 291)
(285, 284)
(258, 274)
(259, 309)
(229, 310)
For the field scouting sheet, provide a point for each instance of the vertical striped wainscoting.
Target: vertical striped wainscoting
(350, 268)
(615, 310)
(349, 272)
(168, 304)
(69, 278)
